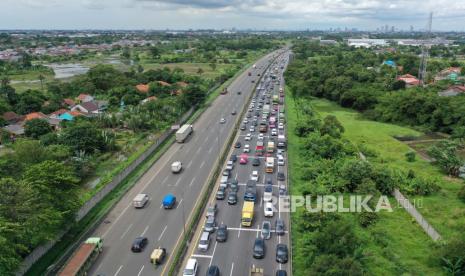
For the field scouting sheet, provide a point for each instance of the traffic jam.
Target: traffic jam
(243, 231)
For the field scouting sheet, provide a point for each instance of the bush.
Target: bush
(461, 194)
(366, 219)
(410, 156)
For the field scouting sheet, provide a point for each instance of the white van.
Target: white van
(280, 160)
(204, 241)
(140, 200)
(191, 268)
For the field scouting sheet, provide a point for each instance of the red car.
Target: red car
(244, 158)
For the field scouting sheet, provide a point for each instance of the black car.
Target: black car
(238, 145)
(281, 253)
(232, 198)
(255, 123)
(249, 116)
(221, 194)
(281, 273)
(279, 227)
(139, 244)
(281, 176)
(243, 127)
(233, 158)
(239, 92)
(259, 248)
(256, 162)
(222, 233)
(233, 112)
(213, 270)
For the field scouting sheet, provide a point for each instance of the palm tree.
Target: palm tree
(41, 79)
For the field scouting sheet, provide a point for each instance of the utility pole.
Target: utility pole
(425, 51)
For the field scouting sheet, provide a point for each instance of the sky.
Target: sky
(226, 14)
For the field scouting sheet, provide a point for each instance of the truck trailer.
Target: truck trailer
(183, 133)
(83, 258)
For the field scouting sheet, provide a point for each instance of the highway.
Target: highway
(234, 257)
(165, 227)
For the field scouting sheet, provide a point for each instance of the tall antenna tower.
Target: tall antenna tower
(425, 51)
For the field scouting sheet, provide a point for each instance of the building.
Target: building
(143, 88)
(69, 102)
(14, 129)
(366, 42)
(452, 91)
(409, 80)
(84, 98)
(11, 117)
(57, 114)
(88, 108)
(450, 73)
(35, 115)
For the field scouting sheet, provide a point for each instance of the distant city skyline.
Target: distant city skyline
(227, 14)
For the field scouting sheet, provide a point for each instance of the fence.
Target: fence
(38, 252)
(404, 202)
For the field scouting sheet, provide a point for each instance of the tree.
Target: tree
(199, 71)
(213, 66)
(452, 256)
(41, 79)
(30, 101)
(154, 52)
(83, 136)
(28, 152)
(331, 265)
(445, 155)
(332, 127)
(37, 127)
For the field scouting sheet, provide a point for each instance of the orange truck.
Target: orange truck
(83, 258)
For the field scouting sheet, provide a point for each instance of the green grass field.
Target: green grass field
(191, 68)
(395, 245)
(443, 210)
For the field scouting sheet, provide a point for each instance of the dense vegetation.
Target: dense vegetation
(355, 78)
(323, 161)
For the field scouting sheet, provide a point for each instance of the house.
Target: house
(88, 108)
(54, 122)
(450, 73)
(409, 80)
(69, 102)
(66, 117)
(149, 99)
(452, 91)
(390, 63)
(143, 88)
(57, 114)
(14, 129)
(35, 115)
(11, 117)
(85, 98)
(163, 83)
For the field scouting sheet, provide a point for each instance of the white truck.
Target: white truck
(269, 165)
(183, 133)
(281, 141)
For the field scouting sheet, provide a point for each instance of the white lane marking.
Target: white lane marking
(213, 255)
(161, 205)
(119, 269)
(145, 230)
(140, 271)
(239, 232)
(203, 163)
(164, 180)
(201, 256)
(232, 268)
(210, 150)
(125, 232)
(192, 181)
(190, 163)
(198, 150)
(180, 202)
(258, 230)
(163, 232)
(177, 182)
(116, 220)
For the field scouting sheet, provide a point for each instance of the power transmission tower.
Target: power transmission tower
(425, 51)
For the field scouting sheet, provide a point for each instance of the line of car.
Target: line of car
(228, 189)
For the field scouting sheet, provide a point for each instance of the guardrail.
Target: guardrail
(184, 246)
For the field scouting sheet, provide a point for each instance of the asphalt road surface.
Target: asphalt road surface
(235, 256)
(165, 227)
